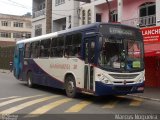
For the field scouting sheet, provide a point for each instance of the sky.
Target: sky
(15, 7)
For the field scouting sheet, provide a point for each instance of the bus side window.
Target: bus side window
(45, 48)
(57, 47)
(68, 46)
(35, 49)
(27, 50)
(60, 47)
(73, 45)
(77, 44)
(53, 48)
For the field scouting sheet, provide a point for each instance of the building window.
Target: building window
(28, 35)
(38, 30)
(63, 27)
(5, 35)
(147, 14)
(98, 17)
(5, 23)
(89, 16)
(41, 6)
(114, 16)
(69, 19)
(18, 24)
(83, 17)
(59, 2)
(17, 35)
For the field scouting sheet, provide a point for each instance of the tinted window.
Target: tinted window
(35, 49)
(27, 50)
(57, 47)
(73, 45)
(45, 48)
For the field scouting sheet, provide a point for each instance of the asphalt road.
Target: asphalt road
(20, 102)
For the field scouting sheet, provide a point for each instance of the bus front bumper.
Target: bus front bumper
(109, 89)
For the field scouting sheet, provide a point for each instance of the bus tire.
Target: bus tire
(70, 86)
(29, 80)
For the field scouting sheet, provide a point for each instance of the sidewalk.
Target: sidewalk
(4, 71)
(149, 93)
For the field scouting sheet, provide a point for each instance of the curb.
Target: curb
(147, 98)
(4, 71)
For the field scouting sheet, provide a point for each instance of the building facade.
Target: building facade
(42, 17)
(138, 13)
(13, 28)
(64, 14)
(55, 15)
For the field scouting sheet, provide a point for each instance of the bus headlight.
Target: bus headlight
(142, 79)
(104, 79)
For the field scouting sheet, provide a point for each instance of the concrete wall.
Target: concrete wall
(40, 19)
(42, 22)
(63, 11)
(158, 12)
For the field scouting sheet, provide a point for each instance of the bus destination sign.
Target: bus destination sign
(116, 30)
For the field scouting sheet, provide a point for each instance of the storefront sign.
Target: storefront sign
(151, 34)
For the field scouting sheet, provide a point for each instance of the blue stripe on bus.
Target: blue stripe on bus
(41, 77)
(105, 89)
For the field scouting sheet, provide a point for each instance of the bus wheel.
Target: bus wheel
(70, 86)
(29, 80)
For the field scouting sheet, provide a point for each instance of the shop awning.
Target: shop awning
(152, 49)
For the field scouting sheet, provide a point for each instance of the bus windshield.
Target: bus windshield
(121, 54)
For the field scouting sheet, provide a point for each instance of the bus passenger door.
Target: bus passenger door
(18, 61)
(89, 62)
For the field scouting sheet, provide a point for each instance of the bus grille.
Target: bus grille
(123, 88)
(124, 76)
(123, 81)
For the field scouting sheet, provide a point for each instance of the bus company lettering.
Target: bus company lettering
(60, 66)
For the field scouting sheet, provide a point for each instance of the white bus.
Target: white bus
(98, 59)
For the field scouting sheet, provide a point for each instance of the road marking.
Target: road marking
(24, 105)
(136, 102)
(110, 104)
(78, 107)
(16, 100)
(9, 97)
(48, 107)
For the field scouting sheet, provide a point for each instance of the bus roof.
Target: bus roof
(74, 29)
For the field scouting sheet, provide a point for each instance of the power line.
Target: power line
(14, 4)
(19, 4)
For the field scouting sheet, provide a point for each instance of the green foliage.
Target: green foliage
(6, 55)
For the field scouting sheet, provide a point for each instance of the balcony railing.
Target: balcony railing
(141, 22)
(39, 13)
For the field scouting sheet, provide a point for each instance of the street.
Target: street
(17, 98)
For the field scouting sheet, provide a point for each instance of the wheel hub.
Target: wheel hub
(70, 87)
